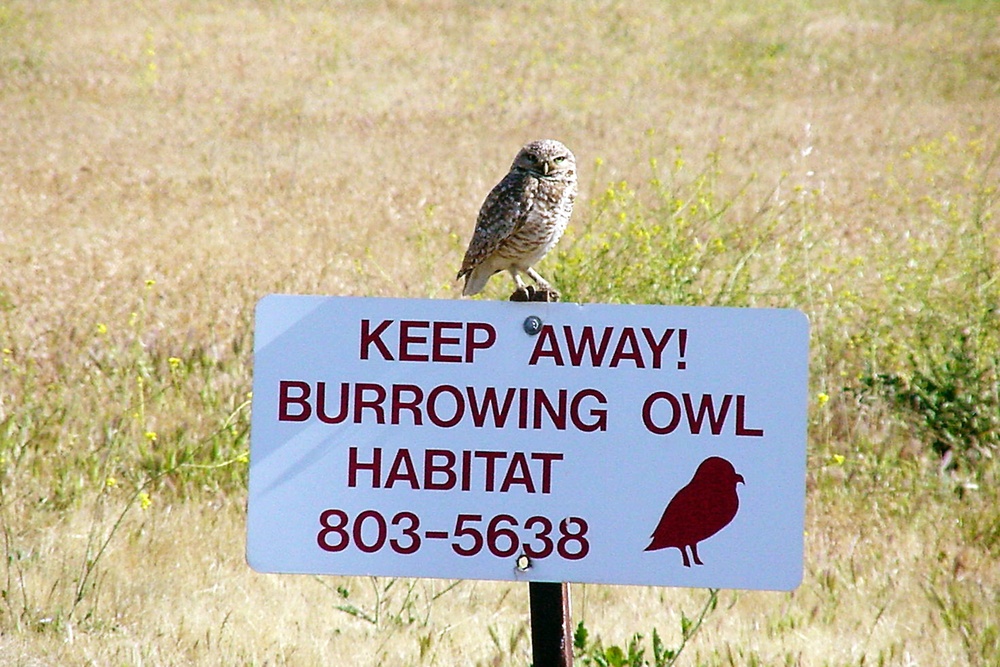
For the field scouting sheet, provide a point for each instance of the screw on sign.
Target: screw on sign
(706, 505)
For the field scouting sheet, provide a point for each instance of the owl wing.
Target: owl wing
(502, 214)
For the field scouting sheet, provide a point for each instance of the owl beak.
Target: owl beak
(546, 167)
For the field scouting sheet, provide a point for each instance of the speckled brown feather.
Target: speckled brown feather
(500, 216)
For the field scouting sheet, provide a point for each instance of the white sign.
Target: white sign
(529, 441)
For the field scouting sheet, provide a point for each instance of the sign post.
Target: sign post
(538, 442)
(551, 629)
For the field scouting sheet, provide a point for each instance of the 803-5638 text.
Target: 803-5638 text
(370, 531)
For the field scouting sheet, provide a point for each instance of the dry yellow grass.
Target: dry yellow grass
(224, 151)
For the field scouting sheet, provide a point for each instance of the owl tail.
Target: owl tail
(475, 281)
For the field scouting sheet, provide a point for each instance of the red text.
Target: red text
(443, 405)
(639, 348)
(663, 412)
(446, 470)
(422, 340)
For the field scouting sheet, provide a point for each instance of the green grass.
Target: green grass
(162, 168)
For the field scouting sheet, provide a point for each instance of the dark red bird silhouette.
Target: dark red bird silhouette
(699, 510)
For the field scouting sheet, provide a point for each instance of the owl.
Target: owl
(522, 218)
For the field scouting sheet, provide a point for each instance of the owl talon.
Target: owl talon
(546, 295)
(526, 293)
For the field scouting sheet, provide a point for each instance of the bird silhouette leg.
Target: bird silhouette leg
(684, 553)
(694, 552)
(545, 291)
(523, 292)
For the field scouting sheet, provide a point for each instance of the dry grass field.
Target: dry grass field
(163, 165)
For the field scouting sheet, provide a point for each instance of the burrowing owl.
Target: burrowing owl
(522, 219)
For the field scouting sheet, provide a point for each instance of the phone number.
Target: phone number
(370, 531)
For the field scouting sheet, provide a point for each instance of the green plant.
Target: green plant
(128, 463)
(667, 241)
(633, 654)
(397, 602)
(932, 352)
(968, 609)
(950, 397)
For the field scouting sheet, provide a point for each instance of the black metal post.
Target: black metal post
(551, 628)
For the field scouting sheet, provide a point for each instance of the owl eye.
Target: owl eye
(560, 158)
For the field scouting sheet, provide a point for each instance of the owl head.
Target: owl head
(546, 158)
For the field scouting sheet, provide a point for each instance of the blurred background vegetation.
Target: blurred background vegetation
(163, 165)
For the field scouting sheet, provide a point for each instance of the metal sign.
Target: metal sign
(529, 441)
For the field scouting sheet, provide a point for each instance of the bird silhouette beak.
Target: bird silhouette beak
(739, 478)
